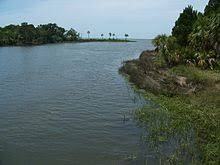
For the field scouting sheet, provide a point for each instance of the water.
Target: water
(65, 104)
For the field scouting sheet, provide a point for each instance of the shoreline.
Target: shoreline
(188, 98)
(77, 41)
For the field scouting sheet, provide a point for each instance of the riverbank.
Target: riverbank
(77, 41)
(189, 106)
(105, 40)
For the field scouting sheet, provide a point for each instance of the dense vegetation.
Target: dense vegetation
(194, 44)
(28, 34)
(195, 38)
(183, 78)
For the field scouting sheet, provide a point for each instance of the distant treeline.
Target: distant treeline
(28, 34)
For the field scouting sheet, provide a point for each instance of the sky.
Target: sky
(139, 18)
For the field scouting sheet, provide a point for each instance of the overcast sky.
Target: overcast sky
(139, 18)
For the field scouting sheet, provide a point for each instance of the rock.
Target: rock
(143, 73)
(181, 81)
(191, 91)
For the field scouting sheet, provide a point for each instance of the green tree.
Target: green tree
(159, 41)
(29, 34)
(206, 34)
(71, 35)
(168, 48)
(212, 7)
(113, 35)
(102, 35)
(88, 32)
(110, 35)
(184, 25)
(126, 36)
(9, 35)
(51, 33)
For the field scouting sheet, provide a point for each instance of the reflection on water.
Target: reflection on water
(67, 104)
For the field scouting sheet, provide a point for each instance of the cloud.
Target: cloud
(139, 18)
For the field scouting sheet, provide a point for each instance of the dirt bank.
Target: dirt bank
(146, 74)
(190, 98)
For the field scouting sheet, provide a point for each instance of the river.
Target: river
(64, 104)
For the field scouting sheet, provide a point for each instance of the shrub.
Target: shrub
(168, 48)
(206, 33)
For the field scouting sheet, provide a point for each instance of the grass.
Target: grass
(191, 122)
(196, 75)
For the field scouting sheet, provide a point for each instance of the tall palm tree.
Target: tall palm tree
(110, 35)
(88, 32)
(113, 35)
(126, 36)
(102, 35)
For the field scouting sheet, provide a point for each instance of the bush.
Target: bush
(205, 34)
(202, 50)
(29, 34)
(168, 48)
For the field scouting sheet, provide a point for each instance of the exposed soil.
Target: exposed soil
(144, 73)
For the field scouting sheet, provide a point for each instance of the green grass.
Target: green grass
(196, 75)
(194, 119)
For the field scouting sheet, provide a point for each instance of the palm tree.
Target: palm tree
(102, 35)
(160, 41)
(110, 35)
(126, 36)
(88, 32)
(113, 35)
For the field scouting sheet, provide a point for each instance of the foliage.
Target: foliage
(206, 33)
(28, 34)
(195, 39)
(189, 121)
(167, 47)
(110, 35)
(184, 25)
(196, 75)
(212, 7)
(160, 41)
(88, 32)
(126, 36)
(185, 117)
(71, 35)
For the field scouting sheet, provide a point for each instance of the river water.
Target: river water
(64, 104)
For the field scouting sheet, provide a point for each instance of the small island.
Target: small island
(27, 34)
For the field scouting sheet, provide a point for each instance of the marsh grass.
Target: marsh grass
(196, 75)
(189, 123)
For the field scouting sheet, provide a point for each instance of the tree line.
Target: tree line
(195, 38)
(28, 34)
